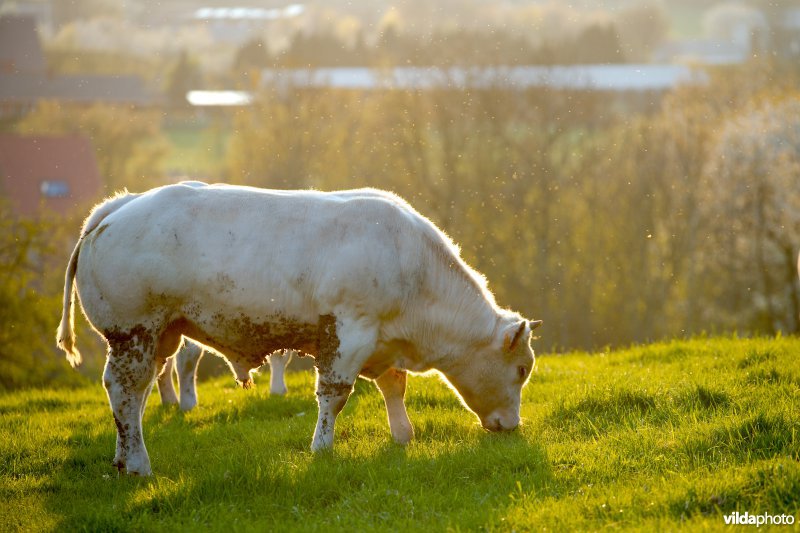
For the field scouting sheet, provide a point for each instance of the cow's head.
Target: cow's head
(490, 381)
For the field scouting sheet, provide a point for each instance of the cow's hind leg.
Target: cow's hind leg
(277, 364)
(112, 390)
(128, 378)
(166, 388)
(392, 385)
(187, 360)
(343, 347)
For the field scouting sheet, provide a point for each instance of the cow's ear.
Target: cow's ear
(533, 324)
(513, 334)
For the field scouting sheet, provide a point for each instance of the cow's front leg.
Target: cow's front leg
(392, 385)
(344, 346)
(187, 359)
(331, 397)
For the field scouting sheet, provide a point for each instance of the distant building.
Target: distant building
(24, 79)
(40, 10)
(608, 78)
(56, 174)
(237, 25)
(227, 24)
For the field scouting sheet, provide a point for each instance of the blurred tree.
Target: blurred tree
(597, 43)
(292, 142)
(253, 53)
(30, 308)
(752, 208)
(82, 62)
(250, 60)
(128, 143)
(67, 11)
(642, 27)
(321, 49)
(184, 76)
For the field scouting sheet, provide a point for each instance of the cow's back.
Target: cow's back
(251, 252)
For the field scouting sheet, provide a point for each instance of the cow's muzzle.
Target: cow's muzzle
(499, 421)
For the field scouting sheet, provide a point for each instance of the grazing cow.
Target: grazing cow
(190, 353)
(359, 280)
(185, 365)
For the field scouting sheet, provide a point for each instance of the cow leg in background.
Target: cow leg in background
(165, 386)
(344, 345)
(128, 377)
(277, 364)
(187, 359)
(392, 385)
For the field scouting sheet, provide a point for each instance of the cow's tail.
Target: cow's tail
(65, 336)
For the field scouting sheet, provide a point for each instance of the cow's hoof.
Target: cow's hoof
(321, 446)
(140, 472)
(403, 437)
(140, 469)
(188, 405)
(169, 400)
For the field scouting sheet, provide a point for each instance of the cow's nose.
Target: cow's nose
(499, 422)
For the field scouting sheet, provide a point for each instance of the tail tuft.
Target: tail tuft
(66, 341)
(65, 336)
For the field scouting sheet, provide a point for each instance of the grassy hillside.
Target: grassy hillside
(663, 436)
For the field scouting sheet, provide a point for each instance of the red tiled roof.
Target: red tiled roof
(56, 174)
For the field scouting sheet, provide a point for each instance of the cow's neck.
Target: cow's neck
(451, 324)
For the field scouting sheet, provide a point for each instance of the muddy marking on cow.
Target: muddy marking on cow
(328, 344)
(249, 341)
(139, 340)
(330, 383)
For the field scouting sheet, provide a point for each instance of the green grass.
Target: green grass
(667, 436)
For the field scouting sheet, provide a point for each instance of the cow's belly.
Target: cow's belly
(247, 340)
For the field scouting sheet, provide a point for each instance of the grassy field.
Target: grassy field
(666, 436)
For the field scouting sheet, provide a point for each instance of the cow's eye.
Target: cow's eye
(522, 371)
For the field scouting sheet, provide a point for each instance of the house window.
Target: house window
(55, 189)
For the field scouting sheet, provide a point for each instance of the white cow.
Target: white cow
(359, 280)
(185, 362)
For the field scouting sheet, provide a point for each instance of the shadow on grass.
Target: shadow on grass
(286, 486)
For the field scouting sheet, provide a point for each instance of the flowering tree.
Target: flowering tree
(752, 207)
